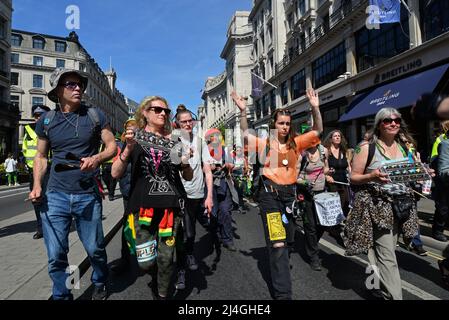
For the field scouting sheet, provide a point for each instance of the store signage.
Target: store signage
(397, 71)
(387, 96)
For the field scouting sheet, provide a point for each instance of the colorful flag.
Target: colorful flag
(257, 86)
(389, 11)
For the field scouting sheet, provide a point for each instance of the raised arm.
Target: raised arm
(316, 114)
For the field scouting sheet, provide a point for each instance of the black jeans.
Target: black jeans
(270, 202)
(440, 195)
(312, 229)
(193, 211)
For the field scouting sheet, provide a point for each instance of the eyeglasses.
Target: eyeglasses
(71, 85)
(186, 121)
(158, 110)
(390, 120)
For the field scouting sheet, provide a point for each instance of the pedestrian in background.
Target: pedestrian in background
(11, 170)
(29, 149)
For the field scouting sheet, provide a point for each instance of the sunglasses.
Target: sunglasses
(390, 121)
(158, 110)
(71, 85)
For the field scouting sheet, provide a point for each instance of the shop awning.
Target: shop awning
(398, 94)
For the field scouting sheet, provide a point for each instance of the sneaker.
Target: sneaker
(419, 250)
(191, 262)
(439, 236)
(38, 235)
(99, 293)
(17, 184)
(9, 185)
(315, 265)
(181, 281)
(230, 246)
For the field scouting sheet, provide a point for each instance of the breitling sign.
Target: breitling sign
(397, 71)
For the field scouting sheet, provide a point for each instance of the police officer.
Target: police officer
(29, 146)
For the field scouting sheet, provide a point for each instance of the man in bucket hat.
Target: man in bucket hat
(29, 146)
(73, 133)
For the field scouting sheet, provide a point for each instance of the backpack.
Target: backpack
(91, 112)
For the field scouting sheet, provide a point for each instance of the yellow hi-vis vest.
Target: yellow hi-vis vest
(29, 145)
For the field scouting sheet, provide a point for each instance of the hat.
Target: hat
(127, 121)
(39, 109)
(56, 76)
(211, 132)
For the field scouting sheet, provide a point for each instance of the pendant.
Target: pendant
(285, 162)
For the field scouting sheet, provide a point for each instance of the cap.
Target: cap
(39, 109)
(56, 76)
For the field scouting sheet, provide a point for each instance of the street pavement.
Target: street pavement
(241, 275)
(244, 275)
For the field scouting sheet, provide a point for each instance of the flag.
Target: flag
(257, 85)
(389, 11)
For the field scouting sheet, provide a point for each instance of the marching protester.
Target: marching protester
(440, 189)
(157, 196)
(195, 189)
(29, 148)
(311, 181)
(280, 153)
(72, 133)
(239, 174)
(125, 185)
(381, 208)
(339, 167)
(223, 190)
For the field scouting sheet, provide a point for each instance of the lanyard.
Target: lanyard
(159, 158)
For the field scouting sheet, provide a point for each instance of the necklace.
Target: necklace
(285, 160)
(73, 125)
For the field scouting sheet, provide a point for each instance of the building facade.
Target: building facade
(33, 59)
(329, 46)
(218, 109)
(9, 113)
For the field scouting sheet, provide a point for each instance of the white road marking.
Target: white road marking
(12, 195)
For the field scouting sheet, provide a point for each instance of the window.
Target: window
(329, 66)
(38, 61)
(38, 43)
(298, 84)
(265, 104)
(15, 101)
(60, 63)
(82, 67)
(37, 81)
(3, 27)
(377, 45)
(301, 7)
(14, 78)
(14, 58)
(16, 40)
(37, 100)
(284, 93)
(60, 46)
(2, 61)
(434, 18)
(272, 100)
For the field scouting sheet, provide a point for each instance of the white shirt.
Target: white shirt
(10, 165)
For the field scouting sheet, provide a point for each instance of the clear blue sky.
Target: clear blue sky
(158, 47)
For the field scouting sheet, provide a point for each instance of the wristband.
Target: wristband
(123, 160)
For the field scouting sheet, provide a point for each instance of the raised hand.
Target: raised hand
(313, 98)
(239, 101)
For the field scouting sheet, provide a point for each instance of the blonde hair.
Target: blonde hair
(142, 121)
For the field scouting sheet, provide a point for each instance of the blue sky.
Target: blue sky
(158, 47)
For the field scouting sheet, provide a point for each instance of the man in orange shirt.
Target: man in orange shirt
(279, 154)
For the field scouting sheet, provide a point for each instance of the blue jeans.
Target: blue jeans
(57, 213)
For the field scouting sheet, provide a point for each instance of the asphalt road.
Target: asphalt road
(12, 202)
(244, 275)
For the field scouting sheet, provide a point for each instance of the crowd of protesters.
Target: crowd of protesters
(170, 177)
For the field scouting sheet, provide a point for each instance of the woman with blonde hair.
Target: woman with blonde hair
(157, 195)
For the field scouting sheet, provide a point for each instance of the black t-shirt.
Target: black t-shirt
(340, 165)
(155, 179)
(62, 139)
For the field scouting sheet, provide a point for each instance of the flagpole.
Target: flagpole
(264, 80)
(406, 7)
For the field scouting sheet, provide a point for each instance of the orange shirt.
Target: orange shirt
(281, 165)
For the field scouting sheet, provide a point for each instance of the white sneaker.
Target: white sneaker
(17, 184)
(9, 185)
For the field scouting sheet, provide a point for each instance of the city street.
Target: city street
(244, 275)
